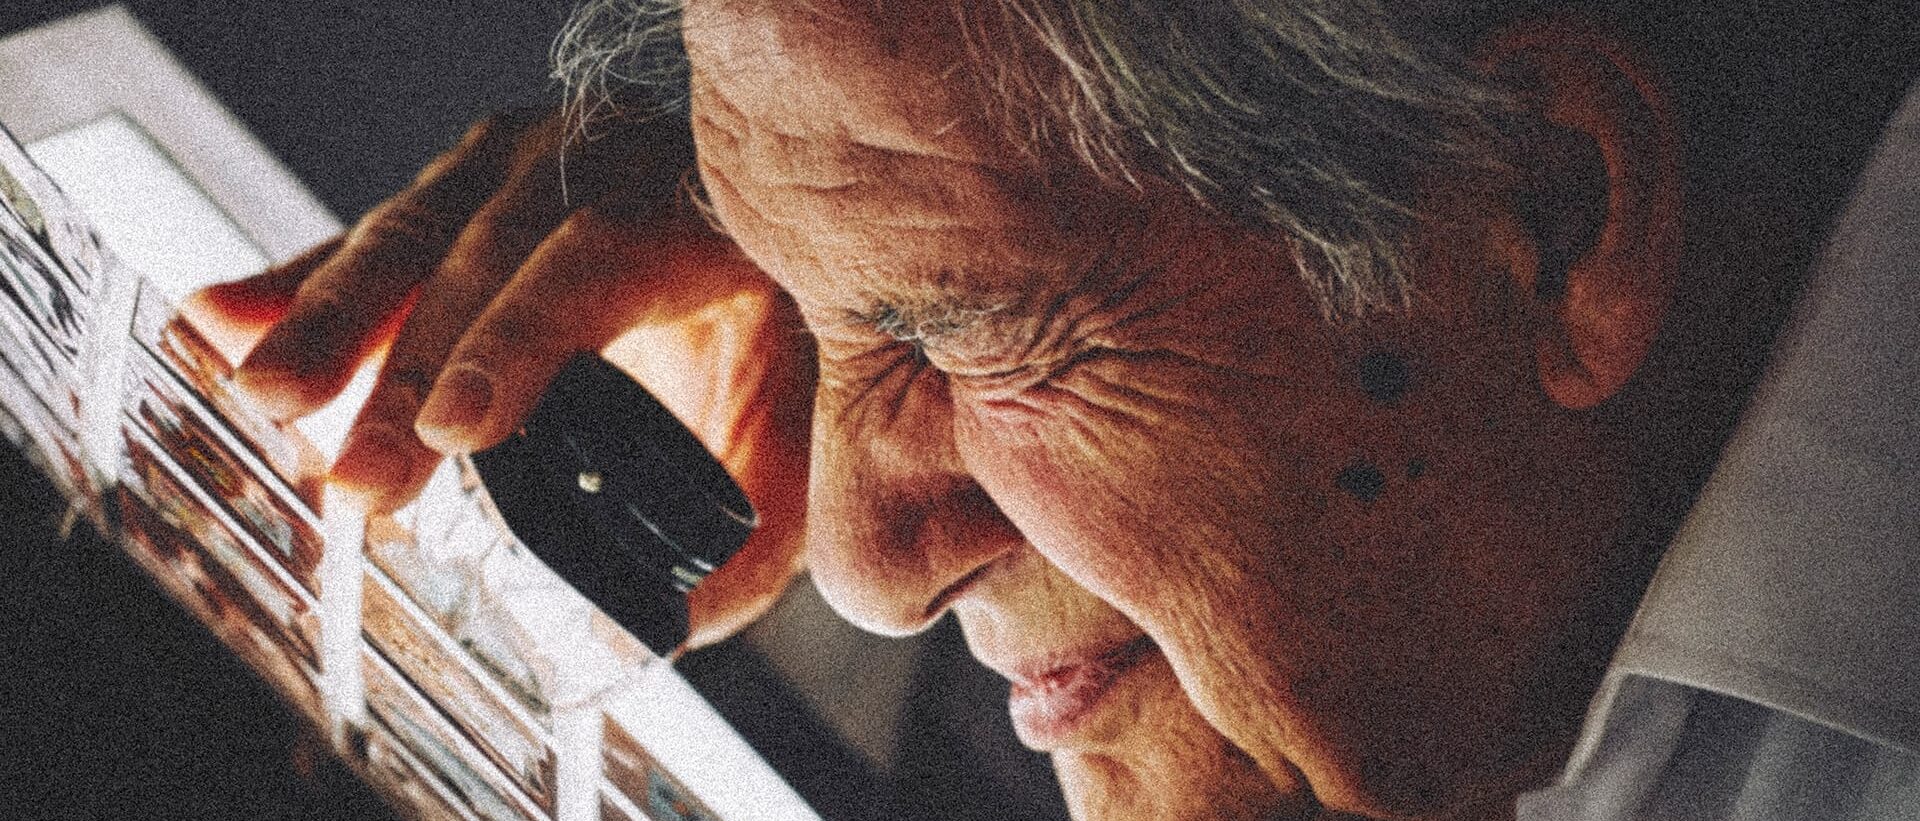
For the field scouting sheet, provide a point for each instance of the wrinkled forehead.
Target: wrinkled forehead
(889, 73)
(843, 151)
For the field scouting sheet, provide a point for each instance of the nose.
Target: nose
(896, 528)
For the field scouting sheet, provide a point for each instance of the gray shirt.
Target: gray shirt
(1772, 670)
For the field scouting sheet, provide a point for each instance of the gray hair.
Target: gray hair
(1312, 118)
(611, 46)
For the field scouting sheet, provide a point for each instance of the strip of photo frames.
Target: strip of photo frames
(480, 677)
(51, 270)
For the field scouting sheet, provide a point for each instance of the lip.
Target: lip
(1051, 700)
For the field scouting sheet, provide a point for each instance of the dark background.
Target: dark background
(353, 96)
(114, 703)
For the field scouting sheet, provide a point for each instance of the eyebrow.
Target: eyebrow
(925, 321)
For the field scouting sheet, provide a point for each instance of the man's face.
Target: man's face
(1235, 560)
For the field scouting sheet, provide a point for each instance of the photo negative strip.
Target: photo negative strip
(444, 552)
(208, 376)
(194, 548)
(400, 708)
(46, 313)
(37, 288)
(39, 292)
(31, 200)
(31, 361)
(218, 461)
(60, 458)
(616, 807)
(48, 441)
(43, 367)
(15, 200)
(448, 676)
(405, 781)
(181, 567)
(639, 777)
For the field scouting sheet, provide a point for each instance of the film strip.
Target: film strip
(456, 673)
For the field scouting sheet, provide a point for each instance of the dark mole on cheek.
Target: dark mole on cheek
(1384, 377)
(1362, 481)
(1416, 468)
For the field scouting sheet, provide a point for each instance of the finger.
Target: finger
(262, 299)
(233, 316)
(607, 267)
(383, 459)
(729, 339)
(554, 307)
(746, 374)
(340, 309)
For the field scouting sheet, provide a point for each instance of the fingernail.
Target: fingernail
(376, 458)
(276, 393)
(459, 403)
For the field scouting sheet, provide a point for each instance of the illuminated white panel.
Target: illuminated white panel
(327, 427)
(146, 210)
(167, 228)
(681, 730)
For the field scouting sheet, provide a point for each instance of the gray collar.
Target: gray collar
(1795, 580)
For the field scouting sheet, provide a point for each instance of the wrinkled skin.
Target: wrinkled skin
(1104, 428)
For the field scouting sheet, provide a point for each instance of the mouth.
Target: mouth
(1051, 701)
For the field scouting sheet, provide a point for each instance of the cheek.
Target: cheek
(1164, 499)
(1178, 514)
(1214, 512)
(1145, 480)
(1074, 478)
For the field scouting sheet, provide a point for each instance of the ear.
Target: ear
(1598, 320)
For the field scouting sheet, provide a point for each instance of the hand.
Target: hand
(487, 274)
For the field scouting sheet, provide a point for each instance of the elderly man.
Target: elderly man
(1287, 398)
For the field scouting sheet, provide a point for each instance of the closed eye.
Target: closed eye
(885, 374)
(1021, 377)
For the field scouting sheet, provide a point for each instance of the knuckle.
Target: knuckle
(505, 226)
(522, 331)
(409, 384)
(589, 225)
(462, 178)
(506, 125)
(403, 227)
(485, 137)
(539, 144)
(486, 130)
